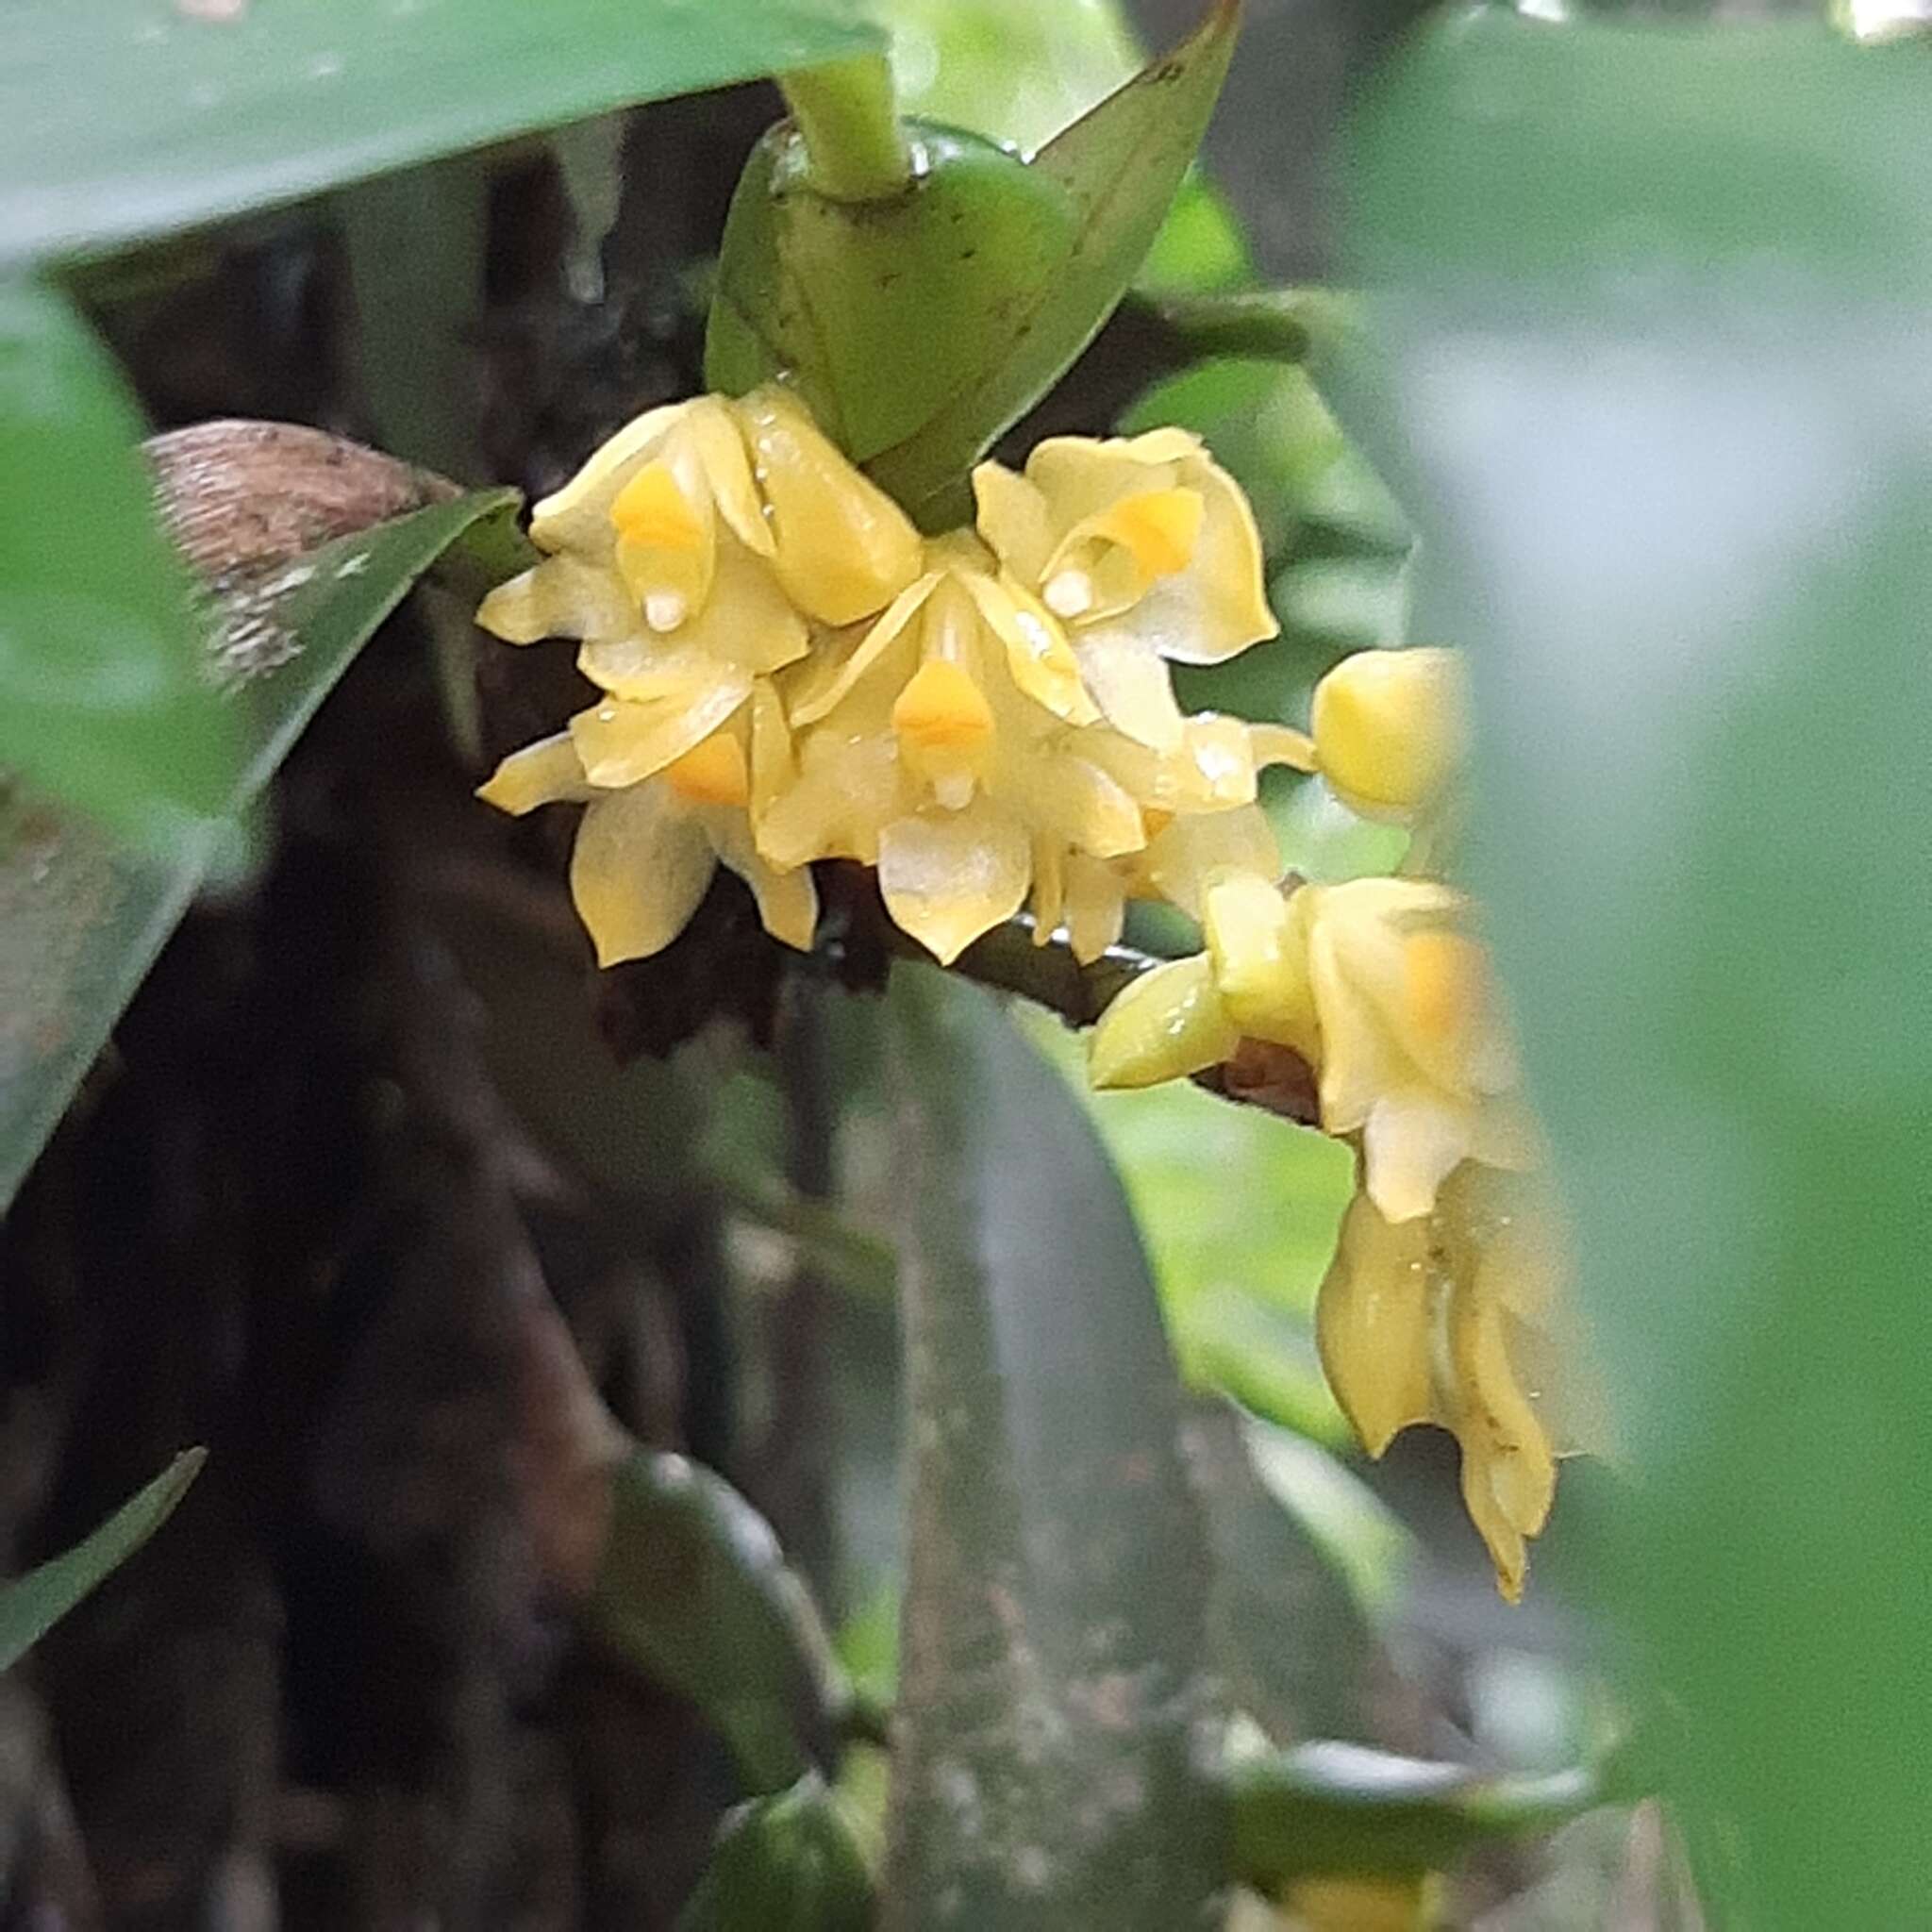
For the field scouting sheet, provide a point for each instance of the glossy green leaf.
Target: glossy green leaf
(121, 120)
(694, 1590)
(30, 1605)
(921, 327)
(82, 917)
(1332, 1810)
(789, 1860)
(1657, 306)
(1052, 1656)
(103, 700)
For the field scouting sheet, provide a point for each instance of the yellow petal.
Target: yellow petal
(1191, 848)
(773, 762)
(1508, 1474)
(1166, 1023)
(561, 597)
(652, 511)
(1260, 949)
(1412, 1139)
(947, 877)
(643, 667)
(844, 548)
(1049, 886)
(1075, 802)
(711, 445)
(1096, 904)
(641, 865)
(788, 902)
(1130, 684)
(1082, 477)
(1373, 1324)
(1281, 744)
(1391, 729)
(577, 517)
(540, 774)
(1218, 605)
(850, 785)
(1014, 521)
(746, 620)
(831, 680)
(1040, 657)
(713, 772)
(621, 742)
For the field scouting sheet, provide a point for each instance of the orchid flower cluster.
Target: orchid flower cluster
(1448, 1287)
(788, 672)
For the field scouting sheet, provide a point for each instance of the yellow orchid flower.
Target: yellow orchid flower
(1378, 985)
(946, 744)
(1145, 549)
(646, 848)
(688, 556)
(1448, 1319)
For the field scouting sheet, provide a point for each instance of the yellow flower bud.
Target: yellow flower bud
(1390, 729)
(1164, 1024)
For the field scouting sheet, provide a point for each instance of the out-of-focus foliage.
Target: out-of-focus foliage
(103, 700)
(1656, 304)
(129, 119)
(1044, 1470)
(33, 1604)
(84, 915)
(1237, 1281)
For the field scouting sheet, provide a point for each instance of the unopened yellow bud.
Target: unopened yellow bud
(1166, 1023)
(652, 510)
(942, 709)
(1390, 728)
(1160, 526)
(713, 772)
(844, 548)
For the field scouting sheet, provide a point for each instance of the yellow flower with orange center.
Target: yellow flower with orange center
(646, 849)
(691, 556)
(1145, 549)
(1377, 984)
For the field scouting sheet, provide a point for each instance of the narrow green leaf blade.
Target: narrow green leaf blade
(103, 703)
(1657, 303)
(694, 1590)
(1054, 1670)
(32, 1605)
(1120, 167)
(121, 120)
(81, 916)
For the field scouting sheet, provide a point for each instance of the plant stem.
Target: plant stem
(849, 120)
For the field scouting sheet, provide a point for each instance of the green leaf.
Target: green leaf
(121, 120)
(103, 701)
(32, 1605)
(694, 1590)
(1303, 1555)
(1332, 1810)
(918, 328)
(1656, 304)
(1052, 1661)
(789, 1860)
(82, 918)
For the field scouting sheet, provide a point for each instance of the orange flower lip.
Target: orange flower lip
(942, 709)
(711, 773)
